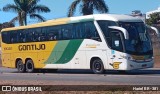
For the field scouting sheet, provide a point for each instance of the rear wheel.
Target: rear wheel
(97, 66)
(29, 66)
(20, 66)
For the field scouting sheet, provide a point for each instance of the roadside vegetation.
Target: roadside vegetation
(88, 7)
(25, 8)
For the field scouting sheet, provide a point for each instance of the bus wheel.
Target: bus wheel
(29, 66)
(20, 66)
(97, 66)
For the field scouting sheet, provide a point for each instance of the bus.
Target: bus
(98, 42)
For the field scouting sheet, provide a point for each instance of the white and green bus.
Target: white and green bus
(98, 42)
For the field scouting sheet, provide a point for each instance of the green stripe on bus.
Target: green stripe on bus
(57, 51)
(64, 51)
(69, 52)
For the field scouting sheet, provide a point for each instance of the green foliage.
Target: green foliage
(87, 7)
(6, 25)
(154, 19)
(26, 8)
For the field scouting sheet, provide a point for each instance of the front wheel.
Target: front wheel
(97, 66)
(29, 66)
(20, 66)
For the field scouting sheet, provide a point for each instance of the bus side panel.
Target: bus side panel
(43, 59)
(63, 54)
(96, 49)
(79, 61)
(46, 58)
(6, 60)
(23, 57)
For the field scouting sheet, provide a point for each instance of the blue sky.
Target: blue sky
(59, 8)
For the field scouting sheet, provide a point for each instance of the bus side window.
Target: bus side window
(104, 27)
(14, 37)
(78, 31)
(21, 36)
(36, 34)
(66, 32)
(29, 36)
(42, 34)
(41, 37)
(50, 36)
(6, 37)
(91, 31)
(52, 33)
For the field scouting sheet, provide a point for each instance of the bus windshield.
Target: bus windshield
(139, 42)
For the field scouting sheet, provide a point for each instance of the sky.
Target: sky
(59, 8)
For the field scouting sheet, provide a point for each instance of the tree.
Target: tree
(87, 7)
(154, 19)
(6, 25)
(26, 8)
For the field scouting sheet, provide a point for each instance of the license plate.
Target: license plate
(138, 57)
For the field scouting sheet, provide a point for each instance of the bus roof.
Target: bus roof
(111, 17)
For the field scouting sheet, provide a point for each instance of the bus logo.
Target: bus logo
(115, 65)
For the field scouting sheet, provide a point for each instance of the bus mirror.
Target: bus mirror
(156, 30)
(120, 29)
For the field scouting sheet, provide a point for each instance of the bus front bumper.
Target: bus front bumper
(131, 65)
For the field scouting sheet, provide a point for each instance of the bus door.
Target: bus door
(117, 47)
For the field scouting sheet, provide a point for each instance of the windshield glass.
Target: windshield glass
(139, 42)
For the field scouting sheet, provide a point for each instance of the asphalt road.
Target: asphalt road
(81, 77)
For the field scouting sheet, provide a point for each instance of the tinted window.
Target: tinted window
(84, 30)
(104, 26)
(116, 41)
(66, 32)
(53, 33)
(29, 35)
(42, 34)
(13, 37)
(78, 31)
(6, 37)
(21, 36)
(91, 31)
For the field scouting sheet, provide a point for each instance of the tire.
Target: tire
(97, 66)
(20, 66)
(30, 66)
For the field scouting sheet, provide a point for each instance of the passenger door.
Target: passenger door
(117, 46)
